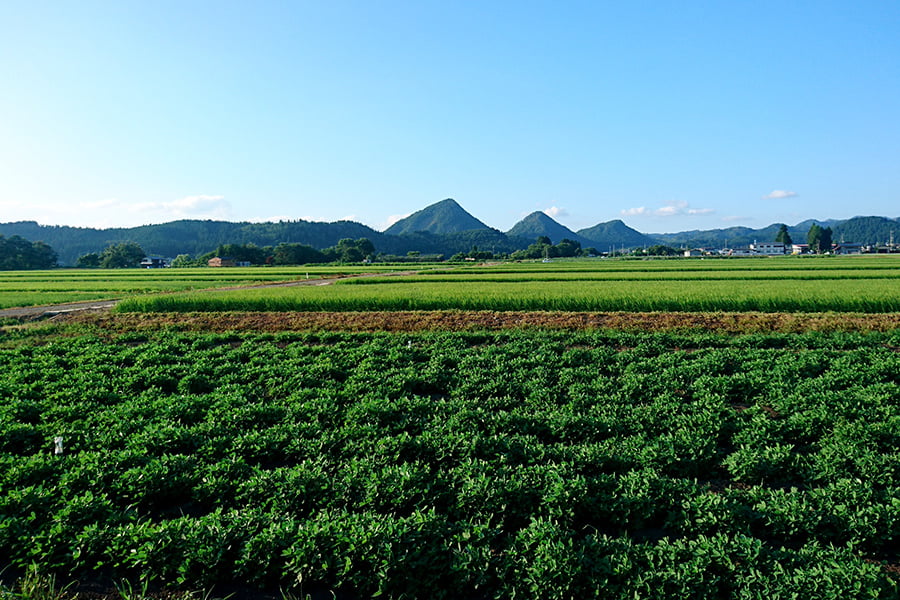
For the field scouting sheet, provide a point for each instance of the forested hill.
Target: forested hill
(862, 230)
(193, 237)
(200, 237)
(867, 230)
(539, 224)
(732, 237)
(615, 234)
(446, 216)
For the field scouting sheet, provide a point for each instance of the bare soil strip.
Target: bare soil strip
(484, 320)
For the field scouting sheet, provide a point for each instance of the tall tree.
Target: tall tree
(122, 255)
(819, 239)
(783, 236)
(813, 236)
(825, 240)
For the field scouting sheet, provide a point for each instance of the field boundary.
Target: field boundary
(410, 321)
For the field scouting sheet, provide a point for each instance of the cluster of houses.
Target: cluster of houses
(778, 249)
(158, 262)
(224, 261)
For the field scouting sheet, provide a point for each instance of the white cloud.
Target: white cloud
(555, 212)
(635, 212)
(673, 208)
(780, 195)
(391, 220)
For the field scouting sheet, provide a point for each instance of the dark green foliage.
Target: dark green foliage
(866, 230)
(17, 253)
(122, 255)
(783, 236)
(542, 248)
(614, 235)
(819, 239)
(733, 237)
(488, 240)
(249, 252)
(297, 254)
(658, 250)
(91, 260)
(195, 238)
(540, 224)
(351, 251)
(444, 465)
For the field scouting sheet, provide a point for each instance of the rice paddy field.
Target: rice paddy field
(457, 432)
(32, 288)
(865, 284)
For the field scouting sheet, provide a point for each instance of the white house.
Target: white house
(768, 248)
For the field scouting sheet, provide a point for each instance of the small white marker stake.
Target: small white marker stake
(57, 445)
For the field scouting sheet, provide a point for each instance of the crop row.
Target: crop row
(770, 263)
(533, 464)
(668, 275)
(840, 295)
(27, 288)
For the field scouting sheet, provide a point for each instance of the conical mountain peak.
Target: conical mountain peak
(446, 216)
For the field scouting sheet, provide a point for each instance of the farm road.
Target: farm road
(51, 310)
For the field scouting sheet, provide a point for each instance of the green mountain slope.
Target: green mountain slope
(613, 235)
(538, 223)
(192, 237)
(867, 230)
(445, 216)
(863, 230)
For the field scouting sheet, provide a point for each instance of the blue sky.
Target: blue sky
(667, 115)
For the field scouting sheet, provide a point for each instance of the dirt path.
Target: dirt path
(51, 310)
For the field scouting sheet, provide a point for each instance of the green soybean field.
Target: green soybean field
(522, 464)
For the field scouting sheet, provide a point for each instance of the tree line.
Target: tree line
(17, 253)
(819, 239)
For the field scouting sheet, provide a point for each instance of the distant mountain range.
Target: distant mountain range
(441, 228)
